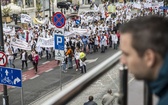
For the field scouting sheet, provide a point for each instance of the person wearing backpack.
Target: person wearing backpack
(35, 61)
(69, 54)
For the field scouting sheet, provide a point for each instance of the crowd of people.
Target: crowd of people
(102, 33)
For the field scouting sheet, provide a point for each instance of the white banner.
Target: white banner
(25, 18)
(80, 31)
(9, 31)
(18, 43)
(136, 5)
(45, 42)
(36, 21)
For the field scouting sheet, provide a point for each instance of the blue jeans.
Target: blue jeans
(84, 47)
(64, 66)
(10, 63)
(91, 47)
(70, 64)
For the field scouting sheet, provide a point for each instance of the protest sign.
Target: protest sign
(18, 43)
(45, 42)
(25, 18)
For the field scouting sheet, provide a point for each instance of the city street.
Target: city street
(86, 33)
(48, 78)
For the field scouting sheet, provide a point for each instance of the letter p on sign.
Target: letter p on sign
(59, 40)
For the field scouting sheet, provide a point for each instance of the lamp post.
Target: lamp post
(5, 93)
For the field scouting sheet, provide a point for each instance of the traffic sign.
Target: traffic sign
(58, 19)
(11, 76)
(59, 42)
(59, 54)
(3, 59)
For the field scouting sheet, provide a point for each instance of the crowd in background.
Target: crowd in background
(102, 33)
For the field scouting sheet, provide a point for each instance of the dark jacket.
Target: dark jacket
(26, 56)
(90, 103)
(160, 85)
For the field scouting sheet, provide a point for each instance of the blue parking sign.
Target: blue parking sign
(58, 42)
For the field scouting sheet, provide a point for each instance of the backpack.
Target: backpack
(71, 54)
(30, 57)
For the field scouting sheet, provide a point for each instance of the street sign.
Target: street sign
(3, 59)
(58, 19)
(58, 42)
(59, 54)
(11, 76)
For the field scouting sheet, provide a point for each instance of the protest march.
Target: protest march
(87, 32)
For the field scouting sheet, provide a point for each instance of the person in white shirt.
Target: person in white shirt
(114, 40)
(96, 43)
(77, 58)
(10, 58)
(103, 40)
(24, 58)
(15, 52)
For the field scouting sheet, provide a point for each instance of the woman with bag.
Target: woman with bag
(35, 61)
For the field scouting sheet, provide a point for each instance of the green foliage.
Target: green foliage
(6, 10)
(165, 2)
(38, 7)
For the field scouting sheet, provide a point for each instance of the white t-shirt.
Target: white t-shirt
(23, 56)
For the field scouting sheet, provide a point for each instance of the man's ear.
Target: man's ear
(149, 58)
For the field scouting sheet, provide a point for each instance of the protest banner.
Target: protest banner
(25, 18)
(45, 42)
(9, 31)
(18, 43)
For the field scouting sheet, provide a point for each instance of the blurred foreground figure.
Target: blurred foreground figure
(90, 102)
(144, 43)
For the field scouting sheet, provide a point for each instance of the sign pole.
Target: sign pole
(49, 10)
(60, 75)
(5, 93)
(22, 99)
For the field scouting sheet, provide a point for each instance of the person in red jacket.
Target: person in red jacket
(35, 61)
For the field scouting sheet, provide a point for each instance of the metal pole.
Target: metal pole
(147, 95)
(123, 85)
(52, 8)
(5, 93)
(49, 10)
(22, 99)
(43, 8)
(60, 76)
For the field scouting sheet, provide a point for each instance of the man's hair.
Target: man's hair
(149, 32)
(90, 98)
(109, 91)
